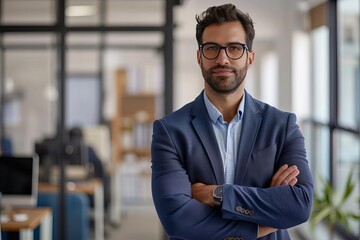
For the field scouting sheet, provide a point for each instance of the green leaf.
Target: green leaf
(328, 192)
(328, 204)
(318, 217)
(355, 216)
(349, 187)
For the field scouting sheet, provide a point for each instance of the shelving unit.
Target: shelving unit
(132, 124)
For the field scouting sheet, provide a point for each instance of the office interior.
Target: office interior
(110, 67)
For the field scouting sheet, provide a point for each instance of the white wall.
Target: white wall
(275, 22)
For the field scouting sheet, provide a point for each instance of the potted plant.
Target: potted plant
(328, 206)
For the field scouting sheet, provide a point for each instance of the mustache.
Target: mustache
(222, 67)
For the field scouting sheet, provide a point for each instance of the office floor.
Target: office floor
(137, 223)
(141, 222)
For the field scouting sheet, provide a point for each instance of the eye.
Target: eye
(235, 48)
(212, 48)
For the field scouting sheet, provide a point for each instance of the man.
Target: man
(76, 137)
(227, 166)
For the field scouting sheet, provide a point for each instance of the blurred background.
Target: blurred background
(96, 73)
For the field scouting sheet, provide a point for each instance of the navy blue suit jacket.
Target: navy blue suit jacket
(185, 151)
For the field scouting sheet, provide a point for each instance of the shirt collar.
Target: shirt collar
(215, 114)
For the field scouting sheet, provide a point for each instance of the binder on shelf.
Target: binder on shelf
(132, 126)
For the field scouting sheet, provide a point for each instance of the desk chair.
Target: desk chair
(77, 215)
(6, 146)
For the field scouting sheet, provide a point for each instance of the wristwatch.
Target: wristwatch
(218, 195)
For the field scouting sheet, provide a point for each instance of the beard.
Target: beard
(224, 84)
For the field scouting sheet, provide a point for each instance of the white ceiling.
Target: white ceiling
(268, 15)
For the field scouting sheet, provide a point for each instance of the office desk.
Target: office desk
(36, 217)
(92, 187)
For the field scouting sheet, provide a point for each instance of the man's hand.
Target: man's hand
(285, 176)
(203, 193)
(263, 231)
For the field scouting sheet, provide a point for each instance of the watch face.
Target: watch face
(218, 192)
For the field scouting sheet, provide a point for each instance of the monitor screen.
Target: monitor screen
(19, 180)
(75, 155)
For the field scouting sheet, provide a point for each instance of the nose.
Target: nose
(222, 58)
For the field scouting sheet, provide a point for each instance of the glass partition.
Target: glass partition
(348, 160)
(30, 89)
(28, 12)
(320, 60)
(349, 65)
(317, 148)
(148, 13)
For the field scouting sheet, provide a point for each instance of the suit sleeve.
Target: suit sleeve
(181, 216)
(279, 207)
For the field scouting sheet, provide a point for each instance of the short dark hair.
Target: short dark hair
(75, 133)
(222, 14)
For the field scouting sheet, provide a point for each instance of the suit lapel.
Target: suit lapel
(250, 128)
(204, 129)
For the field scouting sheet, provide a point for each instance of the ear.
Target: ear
(198, 56)
(250, 58)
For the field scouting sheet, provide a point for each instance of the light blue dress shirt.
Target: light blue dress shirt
(227, 136)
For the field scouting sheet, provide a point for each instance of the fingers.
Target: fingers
(278, 173)
(293, 182)
(285, 176)
(292, 174)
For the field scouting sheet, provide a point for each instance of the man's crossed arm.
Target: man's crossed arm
(284, 176)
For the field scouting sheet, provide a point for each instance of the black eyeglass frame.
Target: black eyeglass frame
(243, 45)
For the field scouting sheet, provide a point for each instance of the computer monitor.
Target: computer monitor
(19, 181)
(75, 154)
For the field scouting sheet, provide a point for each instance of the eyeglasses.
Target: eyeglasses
(234, 51)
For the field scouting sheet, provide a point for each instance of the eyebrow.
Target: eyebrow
(223, 45)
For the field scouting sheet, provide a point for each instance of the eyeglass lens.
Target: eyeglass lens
(233, 50)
